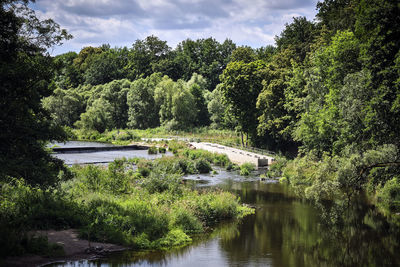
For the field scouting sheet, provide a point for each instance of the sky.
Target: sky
(119, 23)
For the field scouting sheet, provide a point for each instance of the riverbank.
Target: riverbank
(74, 248)
(141, 204)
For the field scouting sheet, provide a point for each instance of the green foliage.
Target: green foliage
(197, 87)
(174, 238)
(241, 85)
(243, 53)
(156, 211)
(97, 117)
(115, 204)
(145, 56)
(106, 66)
(160, 182)
(388, 196)
(276, 167)
(297, 36)
(24, 208)
(118, 137)
(65, 107)
(334, 177)
(321, 125)
(221, 160)
(202, 166)
(25, 73)
(213, 158)
(152, 150)
(246, 168)
(143, 110)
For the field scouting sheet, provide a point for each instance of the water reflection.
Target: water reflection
(284, 231)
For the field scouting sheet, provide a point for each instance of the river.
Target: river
(284, 231)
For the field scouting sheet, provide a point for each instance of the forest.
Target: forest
(325, 97)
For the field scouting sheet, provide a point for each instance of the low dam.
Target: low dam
(86, 149)
(75, 152)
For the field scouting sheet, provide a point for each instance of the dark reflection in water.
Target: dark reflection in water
(284, 231)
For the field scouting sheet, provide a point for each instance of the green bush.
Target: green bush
(160, 182)
(202, 166)
(221, 160)
(152, 150)
(246, 168)
(174, 146)
(194, 154)
(276, 167)
(162, 150)
(184, 219)
(24, 208)
(175, 238)
(388, 196)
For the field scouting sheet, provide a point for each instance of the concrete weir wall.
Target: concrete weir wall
(236, 155)
(95, 149)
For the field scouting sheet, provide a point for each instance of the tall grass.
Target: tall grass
(146, 207)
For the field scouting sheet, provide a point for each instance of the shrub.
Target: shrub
(23, 208)
(160, 182)
(152, 150)
(174, 146)
(276, 167)
(125, 135)
(388, 196)
(118, 180)
(174, 238)
(221, 160)
(162, 150)
(202, 166)
(246, 168)
(184, 219)
(93, 176)
(212, 208)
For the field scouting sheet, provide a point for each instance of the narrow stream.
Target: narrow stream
(284, 231)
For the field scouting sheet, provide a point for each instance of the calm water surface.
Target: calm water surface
(284, 231)
(99, 156)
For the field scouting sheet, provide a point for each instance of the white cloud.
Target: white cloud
(121, 22)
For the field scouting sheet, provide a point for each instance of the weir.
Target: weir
(86, 149)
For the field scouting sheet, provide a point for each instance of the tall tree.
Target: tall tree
(298, 37)
(146, 54)
(143, 111)
(25, 72)
(378, 28)
(241, 85)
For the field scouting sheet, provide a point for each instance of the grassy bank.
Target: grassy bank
(144, 207)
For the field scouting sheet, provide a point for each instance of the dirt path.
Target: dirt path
(74, 248)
